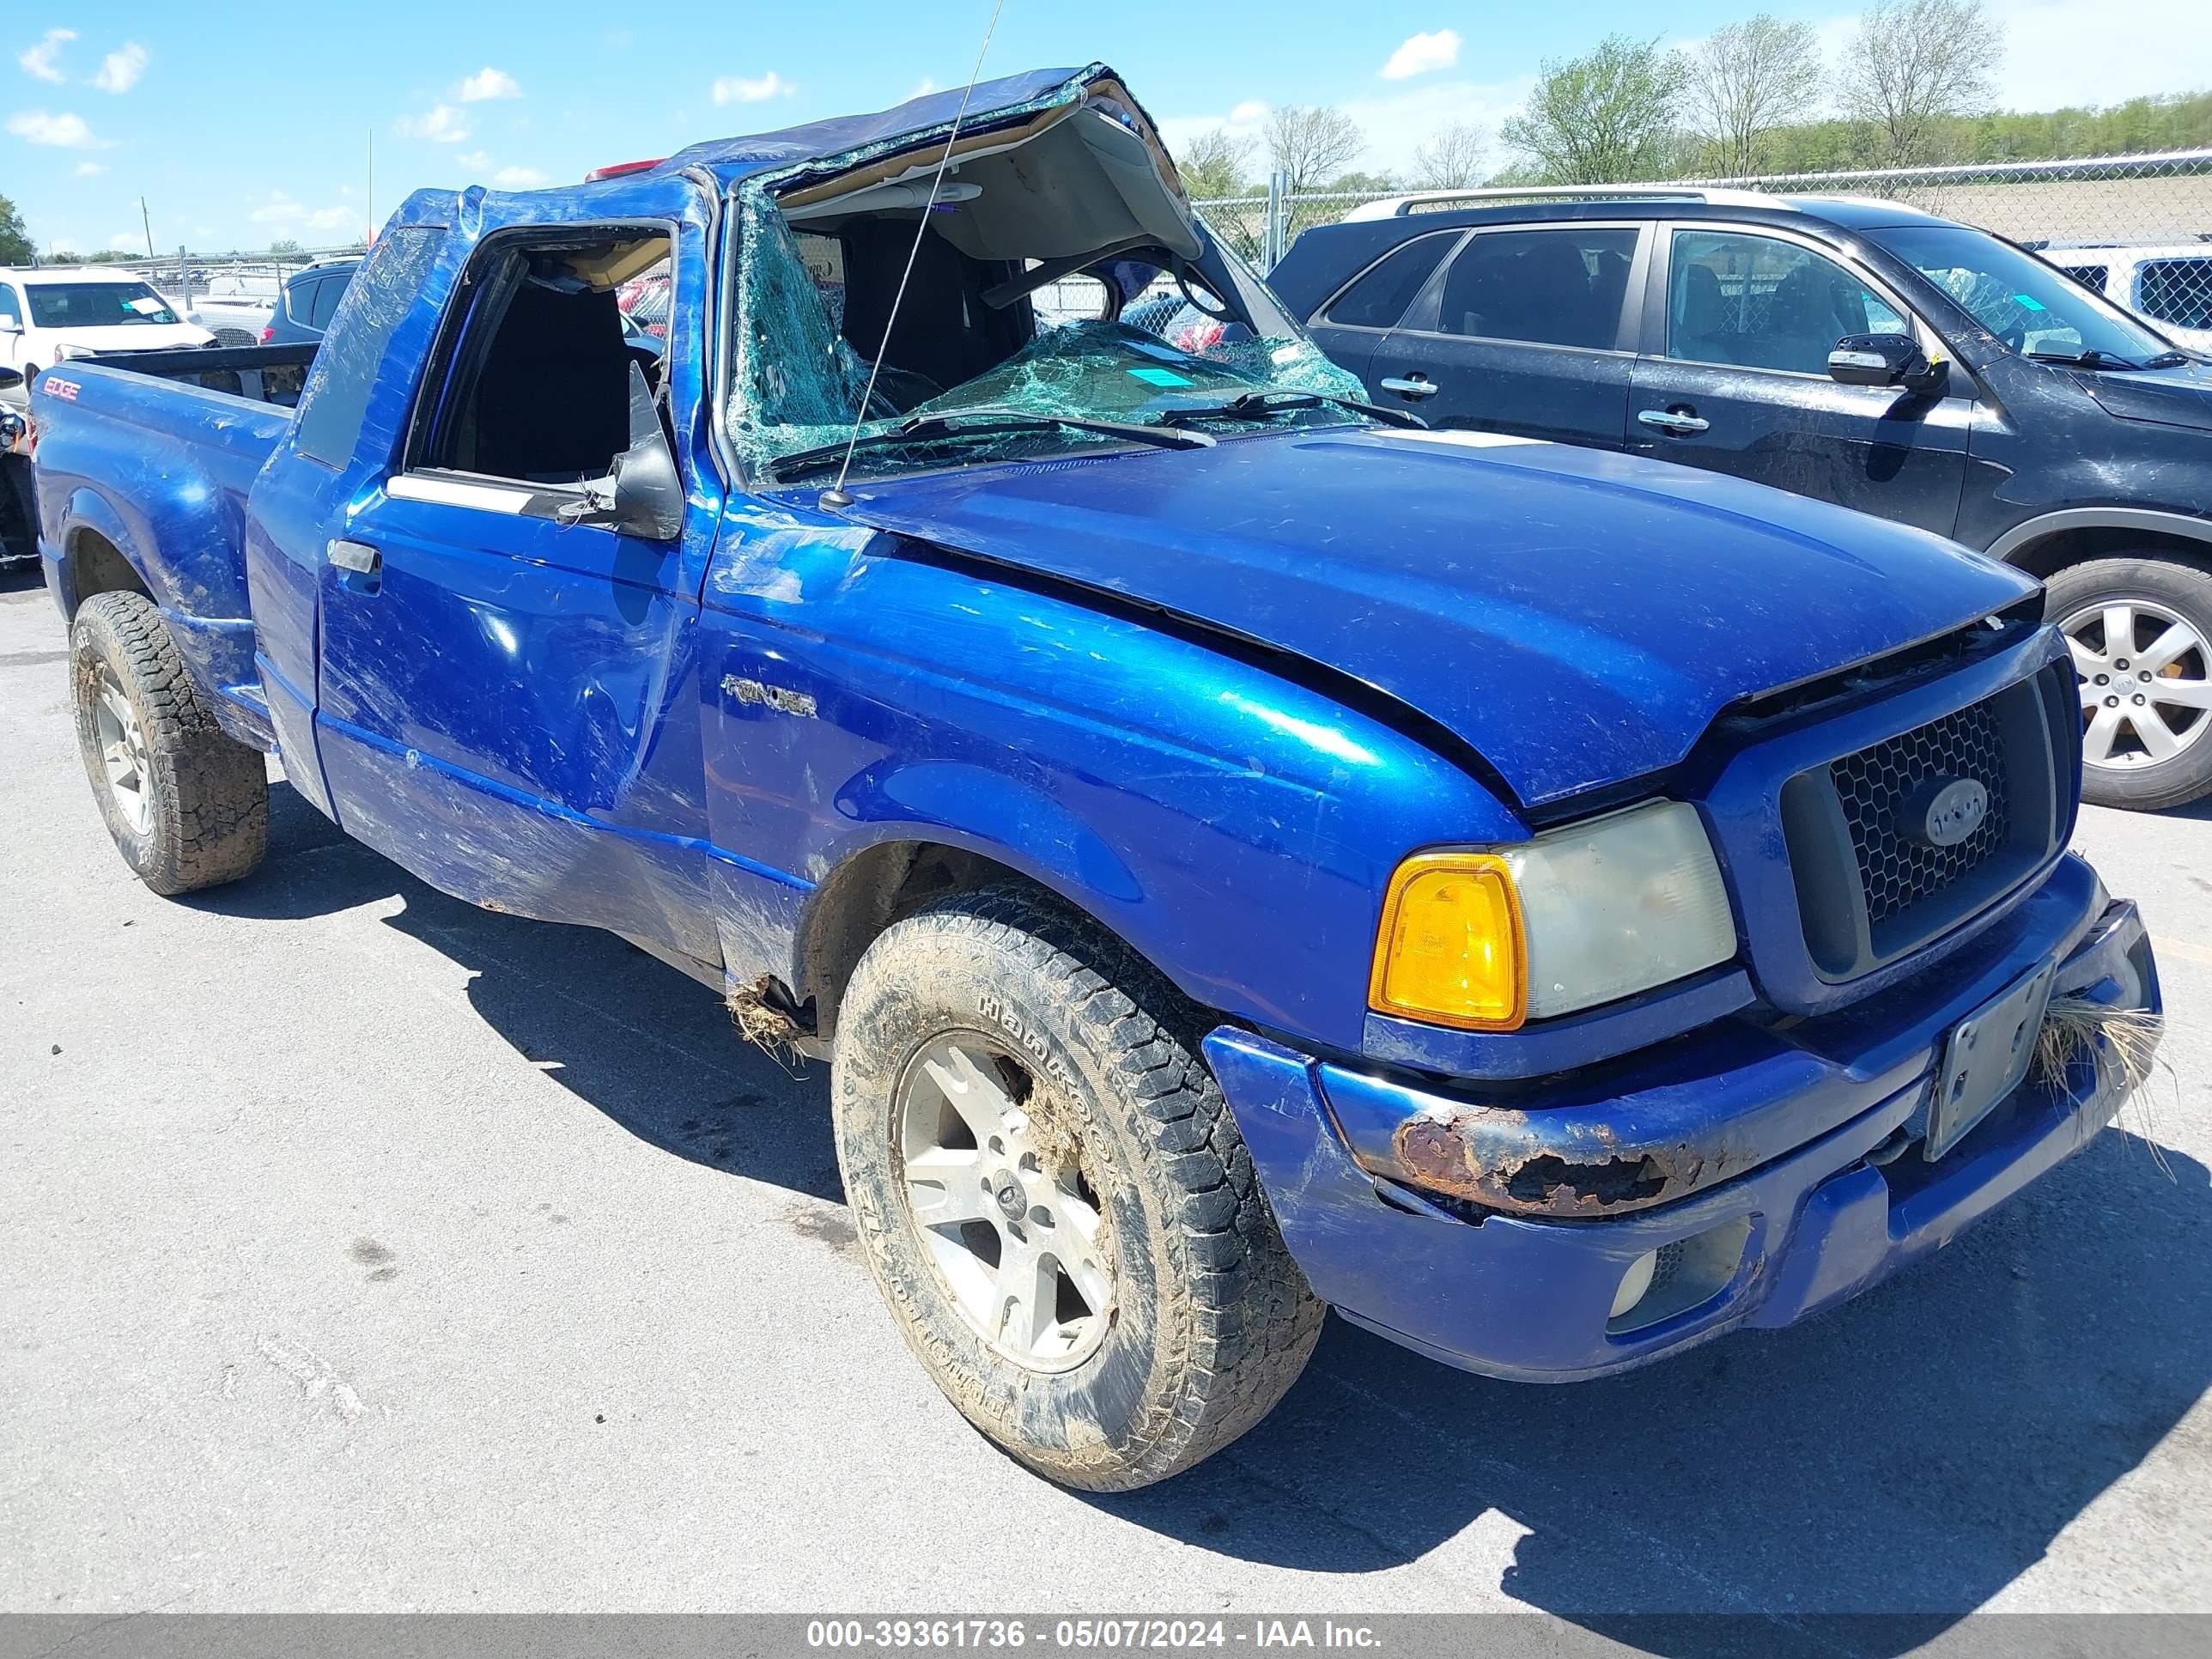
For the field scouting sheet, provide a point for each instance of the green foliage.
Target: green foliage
(16, 247)
(1604, 117)
(1213, 165)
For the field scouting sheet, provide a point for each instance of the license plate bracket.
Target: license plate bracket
(1985, 1058)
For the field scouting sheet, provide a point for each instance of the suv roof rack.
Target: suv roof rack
(1394, 207)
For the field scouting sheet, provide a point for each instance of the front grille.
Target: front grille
(1871, 884)
(1896, 870)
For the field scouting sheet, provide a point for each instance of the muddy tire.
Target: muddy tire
(2144, 625)
(1167, 1316)
(187, 807)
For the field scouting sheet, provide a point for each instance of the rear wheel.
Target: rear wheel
(2141, 633)
(1054, 1196)
(188, 807)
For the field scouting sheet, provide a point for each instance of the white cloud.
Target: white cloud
(474, 161)
(121, 70)
(443, 126)
(281, 212)
(130, 241)
(928, 85)
(1250, 114)
(90, 169)
(39, 60)
(486, 84)
(517, 178)
(1422, 54)
(738, 89)
(63, 131)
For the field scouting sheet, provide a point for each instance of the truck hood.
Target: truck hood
(1578, 616)
(2169, 397)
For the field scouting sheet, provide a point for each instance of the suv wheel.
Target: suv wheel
(2141, 633)
(1054, 1197)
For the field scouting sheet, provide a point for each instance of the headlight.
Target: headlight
(1483, 939)
(64, 351)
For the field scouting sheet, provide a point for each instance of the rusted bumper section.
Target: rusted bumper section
(1656, 1127)
(1684, 1176)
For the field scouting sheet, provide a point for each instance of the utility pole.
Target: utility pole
(146, 219)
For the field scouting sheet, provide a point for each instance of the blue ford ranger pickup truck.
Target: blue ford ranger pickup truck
(1244, 854)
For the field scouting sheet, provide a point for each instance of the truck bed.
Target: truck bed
(153, 453)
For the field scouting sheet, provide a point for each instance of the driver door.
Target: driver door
(1732, 377)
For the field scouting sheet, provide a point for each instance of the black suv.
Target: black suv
(1859, 351)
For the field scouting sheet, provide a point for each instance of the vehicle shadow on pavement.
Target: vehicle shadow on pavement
(631, 1035)
(1917, 1450)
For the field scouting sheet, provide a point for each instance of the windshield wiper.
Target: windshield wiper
(1259, 405)
(982, 422)
(2092, 358)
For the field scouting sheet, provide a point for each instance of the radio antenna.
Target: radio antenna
(835, 496)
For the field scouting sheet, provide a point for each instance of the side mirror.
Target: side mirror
(643, 496)
(10, 378)
(1884, 360)
(9, 325)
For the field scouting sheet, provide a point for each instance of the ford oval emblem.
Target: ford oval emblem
(1954, 812)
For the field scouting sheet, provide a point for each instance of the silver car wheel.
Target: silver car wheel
(2145, 681)
(999, 1198)
(124, 753)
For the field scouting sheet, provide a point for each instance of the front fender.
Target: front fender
(1234, 825)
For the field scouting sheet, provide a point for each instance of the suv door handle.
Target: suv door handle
(357, 557)
(1414, 385)
(1668, 420)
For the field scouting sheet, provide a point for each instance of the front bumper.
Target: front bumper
(1794, 1148)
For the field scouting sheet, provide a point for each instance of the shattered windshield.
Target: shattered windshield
(1138, 337)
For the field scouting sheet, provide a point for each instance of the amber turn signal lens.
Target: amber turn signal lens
(1451, 950)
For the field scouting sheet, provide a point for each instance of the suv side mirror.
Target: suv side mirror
(1883, 360)
(10, 378)
(9, 325)
(643, 496)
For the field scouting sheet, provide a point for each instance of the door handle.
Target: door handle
(1674, 421)
(1416, 386)
(357, 557)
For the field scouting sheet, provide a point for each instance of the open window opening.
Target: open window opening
(533, 378)
(1058, 273)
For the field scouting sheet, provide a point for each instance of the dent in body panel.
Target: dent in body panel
(1223, 820)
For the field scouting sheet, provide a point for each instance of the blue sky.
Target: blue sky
(242, 124)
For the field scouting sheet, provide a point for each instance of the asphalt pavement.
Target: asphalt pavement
(360, 1250)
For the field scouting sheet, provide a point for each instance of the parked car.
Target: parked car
(1859, 352)
(50, 312)
(1241, 854)
(307, 302)
(2171, 287)
(235, 309)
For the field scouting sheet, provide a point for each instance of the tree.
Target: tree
(1214, 163)
(1312, 143)
(1452, 159)
(1913, 64)
(284, 248)
(1745, 79)
(1602, 118)
(16, 248)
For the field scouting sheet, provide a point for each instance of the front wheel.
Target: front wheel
(188, 807)
(1054, 1197)
(2141, 633)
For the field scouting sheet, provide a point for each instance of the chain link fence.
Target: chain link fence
(2136, 228)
